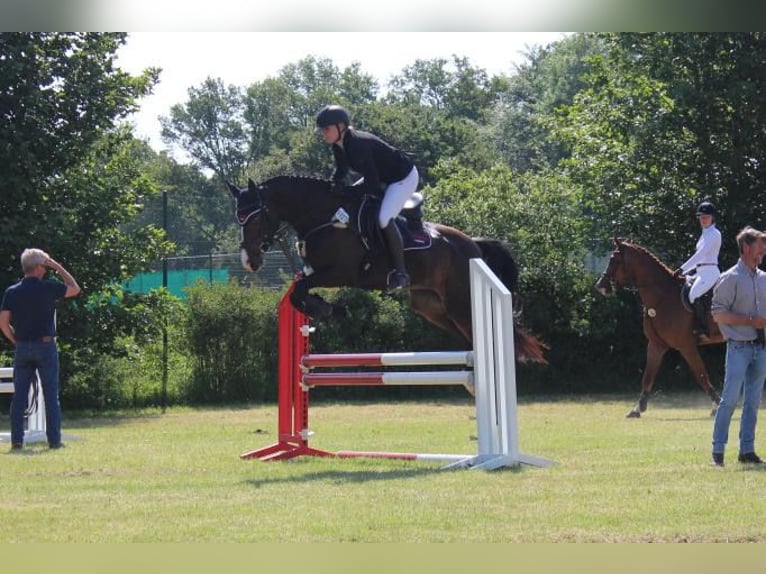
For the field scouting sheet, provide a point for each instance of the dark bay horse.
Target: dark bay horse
(667, 324)
(335, 256)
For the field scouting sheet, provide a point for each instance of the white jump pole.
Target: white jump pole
(391, 378)
(442, 358)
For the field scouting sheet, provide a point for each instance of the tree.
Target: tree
(519, 123)
(540, 219)
(68, 177)
(198, 211)
(429, 135)
(668, 120)
(456, 87)
(72, 177)
(210, 128)
(235, 132)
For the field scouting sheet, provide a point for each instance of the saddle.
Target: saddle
(362, 219)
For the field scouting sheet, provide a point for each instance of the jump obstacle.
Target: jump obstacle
(35, 419)
(35, 431)
(489, 369)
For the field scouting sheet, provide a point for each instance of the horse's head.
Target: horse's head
(258, 225)
(615, 275)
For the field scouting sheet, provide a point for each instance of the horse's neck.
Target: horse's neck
(649, 275)
(301, 203)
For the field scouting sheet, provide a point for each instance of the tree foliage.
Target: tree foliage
(72, 177)
(457, 88)
(209, 128)
(668, 120)
(593, 136)
(519, 124)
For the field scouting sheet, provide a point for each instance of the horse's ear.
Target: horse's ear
(233, 189)
(617, 242)
(251, 184)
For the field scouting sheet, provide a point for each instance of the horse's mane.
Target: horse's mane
(296, 179)
(646, 252)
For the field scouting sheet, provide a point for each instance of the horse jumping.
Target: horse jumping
(485, 368)
(666, 323)
(335, 255)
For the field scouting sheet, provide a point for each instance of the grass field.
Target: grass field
(177, 477)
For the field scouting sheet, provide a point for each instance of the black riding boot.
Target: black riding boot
(399, 279)
(700, 317)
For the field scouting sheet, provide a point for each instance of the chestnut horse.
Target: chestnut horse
(667, 323)
(334, 255)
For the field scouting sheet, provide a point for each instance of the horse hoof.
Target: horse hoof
(634, 414)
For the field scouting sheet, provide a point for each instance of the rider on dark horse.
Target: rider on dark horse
(704, 263)
(386, 171)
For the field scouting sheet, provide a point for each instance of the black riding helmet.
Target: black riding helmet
(331, 115)
(706, 208)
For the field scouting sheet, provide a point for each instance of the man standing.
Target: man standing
(739, 308)
(28, 320)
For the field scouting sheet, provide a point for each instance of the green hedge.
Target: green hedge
(231, 334)
(222, 348)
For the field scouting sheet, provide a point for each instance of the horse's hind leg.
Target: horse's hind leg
(693, 358)
(431, 307)
(655, 351)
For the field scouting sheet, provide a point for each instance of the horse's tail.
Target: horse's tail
(498, 257)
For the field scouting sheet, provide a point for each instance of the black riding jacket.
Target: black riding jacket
(377, 161)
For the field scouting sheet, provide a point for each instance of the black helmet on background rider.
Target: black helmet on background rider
(706, 208)
(331, 115)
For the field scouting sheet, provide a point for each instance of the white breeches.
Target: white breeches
(396, 195)
(707, 275)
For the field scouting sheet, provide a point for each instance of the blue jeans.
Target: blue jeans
(745, 374)
(43, 358)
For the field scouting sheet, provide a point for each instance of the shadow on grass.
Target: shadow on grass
(362, 476)
(30, 449)
(86, 421)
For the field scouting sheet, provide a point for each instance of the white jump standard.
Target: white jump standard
(35, 415)
(489, 370)
(35, 420)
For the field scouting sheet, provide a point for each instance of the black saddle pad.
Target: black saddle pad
(416, 234)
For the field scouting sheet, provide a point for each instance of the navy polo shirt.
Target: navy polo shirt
(32, 303)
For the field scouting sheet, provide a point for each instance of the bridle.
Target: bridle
(608, 275)
(257, 208)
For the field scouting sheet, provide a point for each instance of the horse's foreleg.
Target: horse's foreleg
(655, 351)
(693, 358)
(308, 303)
